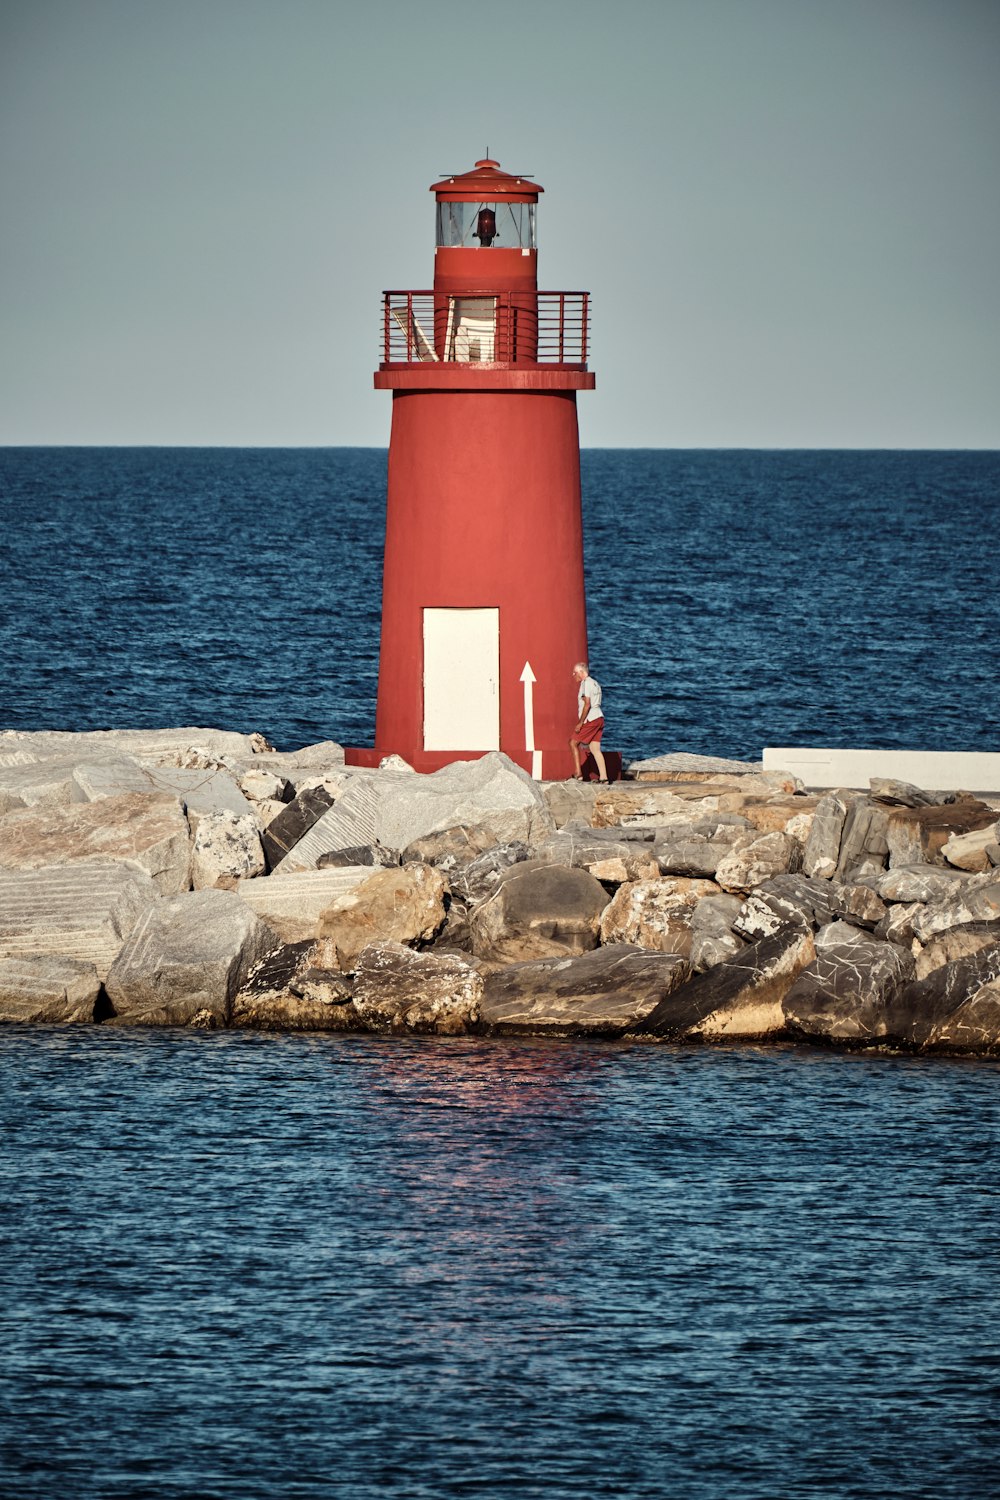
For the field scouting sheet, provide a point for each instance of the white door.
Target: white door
(472, 329)
(461, 679)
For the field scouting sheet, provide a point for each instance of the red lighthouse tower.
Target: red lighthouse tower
(483, 610)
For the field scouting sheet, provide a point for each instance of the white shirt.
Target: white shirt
(592, 690)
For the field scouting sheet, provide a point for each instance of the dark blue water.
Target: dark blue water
(241, 1265)
(736, 599)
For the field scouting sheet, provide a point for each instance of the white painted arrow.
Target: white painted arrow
(529, 679)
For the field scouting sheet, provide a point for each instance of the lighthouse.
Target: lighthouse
(483, 607)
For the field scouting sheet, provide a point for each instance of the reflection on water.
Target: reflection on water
(294, 1266)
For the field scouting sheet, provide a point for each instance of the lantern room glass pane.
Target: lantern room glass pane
(509, 226)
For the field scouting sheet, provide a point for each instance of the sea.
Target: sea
(304, 1266)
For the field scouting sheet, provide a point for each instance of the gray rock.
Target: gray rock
(695, 856)
(48, 783)
(97, 779)
(48, 988)
(900, 793)
(601, 993)
(897, 924)
(681, 764)
(491, 791)
(844, 994)
(285, 831)
(813, 899)
(398, 990)
(921, 883)
(919, 834)
(957, 942)
(403, 905)
(160, 746)
(351, 822)
(478, 879)
(569, 801)
(186, 956)
(227, 849)
(864, 847)
(609, 860)
(451, 848)
(973, 1027)
(83, 911)
(979, 901)
(372, 855)
(291, 905)
(751, 863)
(971, 851)
(740, 998)
(925, 1006)
(147, 833)
(203, 792)
(538, 911)
(821, 857)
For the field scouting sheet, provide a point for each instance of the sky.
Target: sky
(787, 211)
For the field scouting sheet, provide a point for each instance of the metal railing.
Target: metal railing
(506, 328)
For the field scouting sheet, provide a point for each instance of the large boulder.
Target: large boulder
(752, 861)
(203, 792)
(918, 834)
(956, 942)
(925, 1005)
(278, 994)
(538, 910)
(149, 833)
(821, 857)
(84, 910)
(291, 905)
(404, 905)
(227, 849)
(973, 1027)
(787, 898)
(975, 852)
(351, 822)
(609, 860)
(48, 988)
(478, 879)
(601, 993)
(451, 848)
(651, 805)
(979, 901)
(655, 914)
(921, 882)
(712, 937)
(570, 801)
(864, 847)
(398, 990)
(492, 792)
(159, 746)
(844, 993)
(739, 998)
(185, 959)
(682, 766)
(291, 825)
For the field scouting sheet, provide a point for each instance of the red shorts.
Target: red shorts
(591, 731)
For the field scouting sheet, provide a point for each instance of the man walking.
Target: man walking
(590, 722)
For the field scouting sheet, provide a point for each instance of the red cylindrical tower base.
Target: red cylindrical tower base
(483, 608)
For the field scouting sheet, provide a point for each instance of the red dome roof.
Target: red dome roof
(487, 180)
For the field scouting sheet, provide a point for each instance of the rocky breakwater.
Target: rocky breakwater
(192, 877)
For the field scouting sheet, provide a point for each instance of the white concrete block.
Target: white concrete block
(931, 770)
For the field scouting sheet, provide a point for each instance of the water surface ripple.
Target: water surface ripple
(282, 1266)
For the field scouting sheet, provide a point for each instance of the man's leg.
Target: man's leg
(602, 770)
(577, 774)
